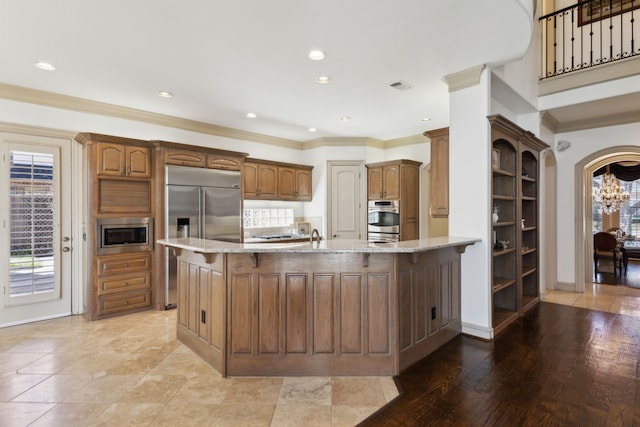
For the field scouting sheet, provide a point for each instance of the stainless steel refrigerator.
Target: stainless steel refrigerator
(204, 203)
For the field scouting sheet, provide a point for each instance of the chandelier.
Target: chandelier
(610, 195)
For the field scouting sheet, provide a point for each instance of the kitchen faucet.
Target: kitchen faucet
(314, 232)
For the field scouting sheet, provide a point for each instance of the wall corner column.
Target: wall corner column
(469, 186)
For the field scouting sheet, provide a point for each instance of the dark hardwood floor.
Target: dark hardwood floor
(631, 278)
(557, 366)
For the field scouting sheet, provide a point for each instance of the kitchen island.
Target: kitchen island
(334, 307)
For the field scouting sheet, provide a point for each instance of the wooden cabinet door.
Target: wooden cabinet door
(111, 159)
(250, 180)
(374, 183)
(267, 181)
(215, 161)
(286, 183)
(184, 158)
(303, 185)
(138, 162)
(391, 182)
(439, 191)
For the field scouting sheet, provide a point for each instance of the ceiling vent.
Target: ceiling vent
(400, 85)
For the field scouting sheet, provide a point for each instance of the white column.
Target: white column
(469, 198)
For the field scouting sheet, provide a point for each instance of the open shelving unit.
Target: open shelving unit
(514, 197)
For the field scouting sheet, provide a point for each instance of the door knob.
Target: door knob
(66, 249)
(336, 235)
(66, 239)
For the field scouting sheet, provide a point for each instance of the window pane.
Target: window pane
(31, 180)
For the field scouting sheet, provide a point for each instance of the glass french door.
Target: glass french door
(35, 234)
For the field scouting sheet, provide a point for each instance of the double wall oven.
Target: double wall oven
(383, 221)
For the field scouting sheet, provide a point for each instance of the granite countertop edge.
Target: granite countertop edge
(324, 246)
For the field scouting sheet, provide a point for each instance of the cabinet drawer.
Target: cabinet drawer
(118, 264)
(109, 304)
(125, 282)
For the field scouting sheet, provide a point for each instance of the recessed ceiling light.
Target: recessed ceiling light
(323, 79)
(45, 66)
(426, 119)
(252, 115)
(165, 94)
(313, 130)
(345, 118)
(316, 55)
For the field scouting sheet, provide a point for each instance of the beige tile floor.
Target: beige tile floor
(601, 297)
(132, 371)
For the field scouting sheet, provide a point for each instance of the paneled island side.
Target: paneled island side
(331, 308)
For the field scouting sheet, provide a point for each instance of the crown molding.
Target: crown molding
(409, 140)
(464, 79)
(547, 120)
(344, 142)
(67, 102)
(599, 122)
(36, 131)
(50, 99)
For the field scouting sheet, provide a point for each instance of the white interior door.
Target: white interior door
(35, 232)
(346, 206)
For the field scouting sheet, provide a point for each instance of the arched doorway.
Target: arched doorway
(584, 204)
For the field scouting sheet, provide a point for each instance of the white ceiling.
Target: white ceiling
(223, 59)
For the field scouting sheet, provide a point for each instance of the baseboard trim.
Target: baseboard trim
(477, 331)
(35, 319)
(566, 286)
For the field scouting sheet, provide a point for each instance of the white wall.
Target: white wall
(469, 189)
(583, 144)
(75, 122)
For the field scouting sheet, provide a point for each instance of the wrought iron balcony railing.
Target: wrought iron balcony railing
(587, 34)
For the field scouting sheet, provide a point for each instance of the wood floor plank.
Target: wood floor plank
(557, 366)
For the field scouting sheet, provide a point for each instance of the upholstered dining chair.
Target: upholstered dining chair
(605, 247)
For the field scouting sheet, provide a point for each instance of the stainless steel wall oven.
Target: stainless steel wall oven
(383, 220)
(123, 235)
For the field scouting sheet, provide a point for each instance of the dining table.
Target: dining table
(630, 249)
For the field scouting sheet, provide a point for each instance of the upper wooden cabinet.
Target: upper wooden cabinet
(260, 181)
(177, 156)
(439, 188)
(398, 180)
(218, 161)
(267, 180)
(201, 158)
(383, 181)
(123, 160)
(294, 184)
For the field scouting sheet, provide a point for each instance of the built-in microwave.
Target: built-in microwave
(122, 235)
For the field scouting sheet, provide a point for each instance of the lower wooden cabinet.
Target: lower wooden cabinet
(201, 305)
(122, 283)
(267, 314)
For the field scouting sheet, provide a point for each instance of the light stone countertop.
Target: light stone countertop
(324, 246)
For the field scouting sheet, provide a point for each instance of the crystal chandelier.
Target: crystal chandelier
(610, 195)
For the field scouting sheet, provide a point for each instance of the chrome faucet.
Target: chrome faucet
(314, 232)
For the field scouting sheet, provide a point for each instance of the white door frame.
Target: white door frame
(71, 185)
(583, 181)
